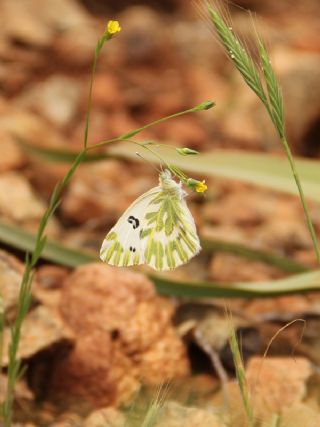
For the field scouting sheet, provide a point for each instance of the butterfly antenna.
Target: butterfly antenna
(149, 163)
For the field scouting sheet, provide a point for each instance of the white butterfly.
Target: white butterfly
(157, 229)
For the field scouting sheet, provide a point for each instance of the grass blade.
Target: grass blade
(241, 376)
(261, 169)
(273, 103)
(57, 253)
(269, 171)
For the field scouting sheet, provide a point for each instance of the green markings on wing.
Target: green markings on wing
(184, 237)
(166, 217)
(173, 251)
(145, 232)
(180, 251)
(115, 251)
(111, 236)
(126, 258)
(154, 249)
(172, 207)
(116, 255)
(171, 248)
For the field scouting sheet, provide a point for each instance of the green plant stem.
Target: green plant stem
(240, 372)
(25, 295)
(126, 136)
(302, 198)
(258, 79)
(40, 240)
(1, 329)
(283, 263)
(55, 252)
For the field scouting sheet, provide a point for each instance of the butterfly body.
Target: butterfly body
(157, 229)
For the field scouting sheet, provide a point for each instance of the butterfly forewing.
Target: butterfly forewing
(122, 245)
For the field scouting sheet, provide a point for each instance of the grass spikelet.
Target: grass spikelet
(154, 408)
(263, 81)
(274, 91)
(239, 55)
(240, 373)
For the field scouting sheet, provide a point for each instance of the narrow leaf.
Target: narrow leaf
(70, 257)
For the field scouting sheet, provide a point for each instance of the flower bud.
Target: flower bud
(197, 186)
(186, 151)
(113, 27)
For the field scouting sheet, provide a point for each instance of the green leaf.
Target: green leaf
(55, 252)
(261, 169)
(58, 154)
(285, 264)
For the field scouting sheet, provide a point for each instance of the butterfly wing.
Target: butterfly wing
(122, 246)
(168, 237)
(157, 229)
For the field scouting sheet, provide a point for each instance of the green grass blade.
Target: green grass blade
(72, 258)
(261, 169)
(269, 171)
(239, 55)
(285, 264)
(241, 376)
(273, 102)
(298, 283)
(59, 154)
(55, 252)
(274, 91)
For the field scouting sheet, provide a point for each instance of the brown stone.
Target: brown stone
(94, 192)
(277, 383)
(175, 415)
(106, 417)
(11, 156)
(42, 329)
(11, 271)
(228, 268)
(56, 99)
(19, 203)
(124, 336)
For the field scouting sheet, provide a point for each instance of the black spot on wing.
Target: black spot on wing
(134, 221)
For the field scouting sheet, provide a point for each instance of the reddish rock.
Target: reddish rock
(106, 417)
(124, 335)
(20, 205)
(228, 268)
(11, 156)
(94, 192)
(276, 382)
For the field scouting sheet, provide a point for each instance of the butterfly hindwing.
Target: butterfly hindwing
(169, 236)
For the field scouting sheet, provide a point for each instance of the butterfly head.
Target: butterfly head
(167, 183)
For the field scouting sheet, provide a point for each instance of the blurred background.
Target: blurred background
(165, 59)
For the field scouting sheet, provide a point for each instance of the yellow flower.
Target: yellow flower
(201, 187)
(113, 27)
(195, 185)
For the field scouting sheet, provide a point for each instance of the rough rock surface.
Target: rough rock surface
(124, 336)
(174, 415)
(94, 192)
(19, 203)
(11, 270)
(106, 417)
(42, 330)
(272, 388)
